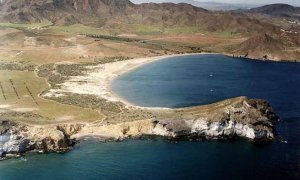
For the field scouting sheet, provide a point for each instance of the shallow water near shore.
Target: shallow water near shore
(179, 82)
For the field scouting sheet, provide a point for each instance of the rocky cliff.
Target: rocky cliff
(18, 138)
(250, 119)
(235, 118)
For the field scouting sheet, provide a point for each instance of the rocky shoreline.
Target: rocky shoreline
(88, 86)
(241, 117)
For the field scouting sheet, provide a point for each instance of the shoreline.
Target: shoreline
(128, 69)
(217, 120)
(98, 80)
(139, 62)
(208, 122)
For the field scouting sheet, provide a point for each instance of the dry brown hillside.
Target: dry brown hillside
(108, 12)
(267, 46)
(264, 37)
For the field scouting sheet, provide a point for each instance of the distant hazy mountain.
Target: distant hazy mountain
(210, 5)
(278, 10)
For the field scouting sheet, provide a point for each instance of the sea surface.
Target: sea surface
(181, 82)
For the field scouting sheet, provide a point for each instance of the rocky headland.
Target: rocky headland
(88, 86)
(241, 117)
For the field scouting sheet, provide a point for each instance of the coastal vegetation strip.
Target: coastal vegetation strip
(2, 91)
(14, 88)
(30, 93)
(24, 110)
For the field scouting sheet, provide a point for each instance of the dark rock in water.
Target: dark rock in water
(1, 152)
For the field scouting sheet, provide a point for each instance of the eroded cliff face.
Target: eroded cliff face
(242, 118)
(11, 140)
(229, 119)
(17, 138)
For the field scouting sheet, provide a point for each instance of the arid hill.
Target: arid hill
(278, 10)
(266, 46)
(111, 12)
(269, 35)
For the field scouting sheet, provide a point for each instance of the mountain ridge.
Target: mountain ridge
(116, 14)
(278, 10)
(210, 5)
(103, 12)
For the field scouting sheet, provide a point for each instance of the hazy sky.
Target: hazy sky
(292, 2)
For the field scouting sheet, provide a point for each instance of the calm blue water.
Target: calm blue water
(178, 82)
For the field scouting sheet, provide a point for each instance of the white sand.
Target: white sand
(97, 80)
(25, 109)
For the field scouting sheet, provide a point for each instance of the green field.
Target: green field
(78, 29)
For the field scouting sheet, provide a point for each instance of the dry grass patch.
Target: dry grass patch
(19, 94)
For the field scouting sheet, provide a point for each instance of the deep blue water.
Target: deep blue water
(178, 82)
(196, 80)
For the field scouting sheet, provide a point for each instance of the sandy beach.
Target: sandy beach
(97, 80)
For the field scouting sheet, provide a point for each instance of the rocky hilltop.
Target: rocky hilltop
(279, 21)
(278, 10)
(103, 13)
(270, 46)
(241, 117)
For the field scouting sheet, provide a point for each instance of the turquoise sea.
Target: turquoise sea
(180, 82)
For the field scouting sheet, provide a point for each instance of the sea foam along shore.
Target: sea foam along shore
(98, 79)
